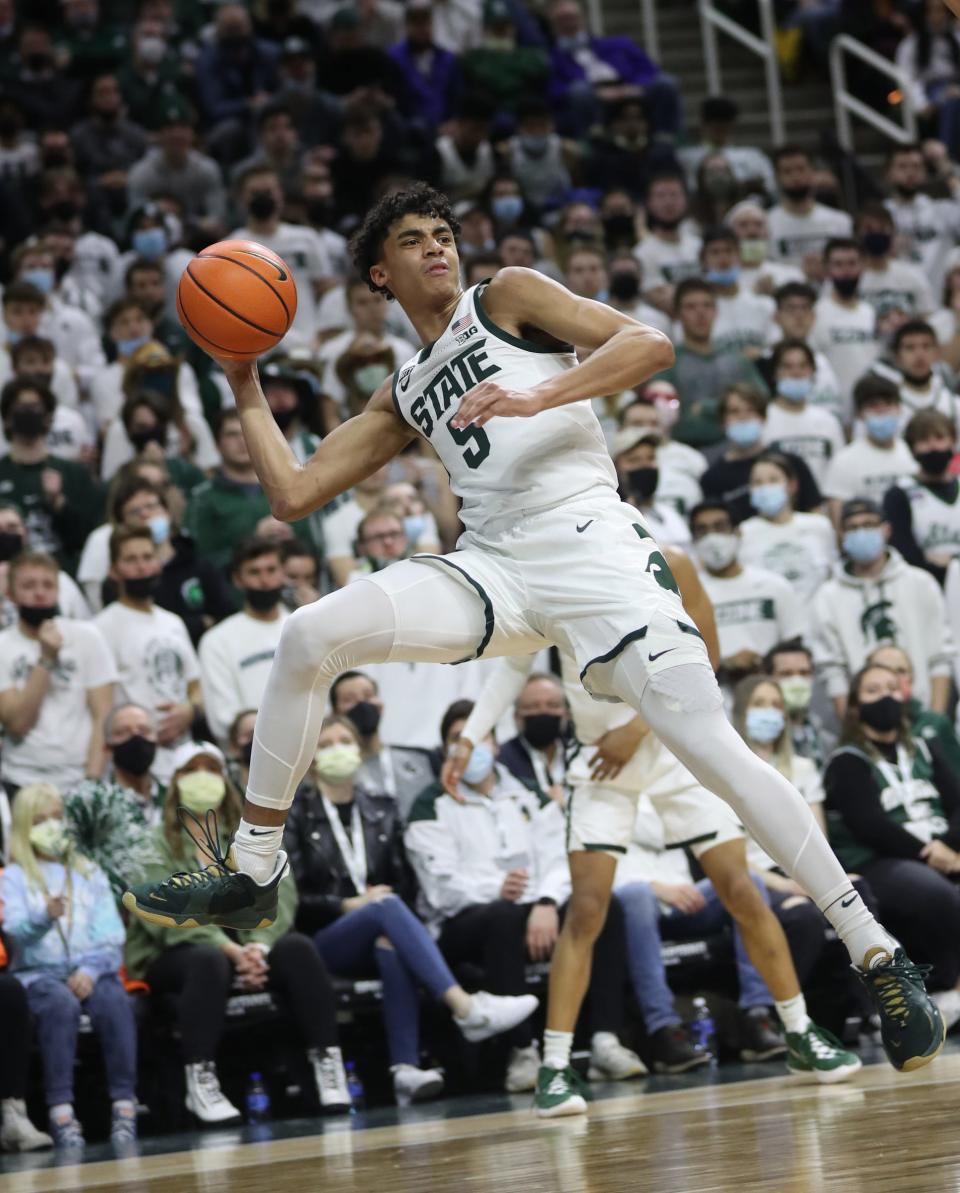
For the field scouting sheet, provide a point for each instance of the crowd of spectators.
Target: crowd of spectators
(802, 449)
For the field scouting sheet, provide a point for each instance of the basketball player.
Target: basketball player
(549, 555)
(601, 810)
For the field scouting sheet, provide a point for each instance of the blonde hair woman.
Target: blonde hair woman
(62, 919)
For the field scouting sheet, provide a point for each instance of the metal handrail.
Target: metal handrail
(712, 20)
(847, 105)
(648, 18)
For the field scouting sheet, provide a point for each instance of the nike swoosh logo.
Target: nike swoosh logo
(653, 657)
(581, 529)
(263, 833)
(847, 902)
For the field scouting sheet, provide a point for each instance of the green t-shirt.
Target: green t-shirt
(63, 532)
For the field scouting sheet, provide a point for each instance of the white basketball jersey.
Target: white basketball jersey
(511, 466)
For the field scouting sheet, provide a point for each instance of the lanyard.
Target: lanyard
(388, 772)
(353, 849)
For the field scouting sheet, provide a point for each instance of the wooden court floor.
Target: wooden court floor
(883, 1134)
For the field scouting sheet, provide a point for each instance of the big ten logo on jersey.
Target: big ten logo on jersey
(447, 386)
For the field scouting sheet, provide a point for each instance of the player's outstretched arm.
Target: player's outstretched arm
(353, 451)
(624, 353)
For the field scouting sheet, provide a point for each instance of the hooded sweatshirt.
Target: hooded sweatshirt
(902, 605)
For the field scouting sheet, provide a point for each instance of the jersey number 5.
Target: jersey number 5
(474, 456)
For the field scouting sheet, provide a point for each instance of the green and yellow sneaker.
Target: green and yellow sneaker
(219, 894)
(815, 1053)
(560, 1092)
(910, 1023)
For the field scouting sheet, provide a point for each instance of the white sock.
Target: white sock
(854, 924)
(125, 1105)
(556, 1048)
(793, 1014)
(255, 848)
(62, 1112)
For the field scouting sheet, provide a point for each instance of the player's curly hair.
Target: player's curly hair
(366, 244)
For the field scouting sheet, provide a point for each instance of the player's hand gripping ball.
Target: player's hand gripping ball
(237, 299)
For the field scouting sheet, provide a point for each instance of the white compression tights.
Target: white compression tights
(684, 709)
(425, 616)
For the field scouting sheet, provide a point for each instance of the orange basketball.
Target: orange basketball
(237, 299)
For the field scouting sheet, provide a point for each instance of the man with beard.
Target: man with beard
(800, 226)
(669, 252)
(928, 227)
(917, 373)
(845, 326)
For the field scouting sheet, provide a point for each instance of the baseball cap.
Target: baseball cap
(191, 749)
(860, 505)
(629, 437)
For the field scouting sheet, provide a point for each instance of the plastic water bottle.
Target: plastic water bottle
(258, 1100)
(354, 1087)
(702, 1028)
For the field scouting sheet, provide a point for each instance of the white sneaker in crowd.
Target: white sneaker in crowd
(493, 1014)
(611, 1061)
(18, 1134)
(331, 1079)
(412, 1085)
(205, 1098)
(522, 1069)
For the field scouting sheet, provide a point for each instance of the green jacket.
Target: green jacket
(935, 726)
(63, 533)
(147, 942)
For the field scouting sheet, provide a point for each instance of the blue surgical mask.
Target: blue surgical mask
(745, 434)
(150, 242)
(507, 208)
(159, 528)
(723, 277)
(769, 500)
(764, 725)
(480, 764)
(43, 279)
(865, 544)
(413, 527)
(795, 389)
(882, 427)
(128, 347)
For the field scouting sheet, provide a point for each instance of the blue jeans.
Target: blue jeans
(349, 948)
(57, 1013)
(646, 924)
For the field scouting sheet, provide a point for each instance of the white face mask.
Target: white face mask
(50, 838)
(797, 690)
(717, 551)
(201, 791)
(336, 764)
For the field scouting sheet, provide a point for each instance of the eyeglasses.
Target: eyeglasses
(383, 537)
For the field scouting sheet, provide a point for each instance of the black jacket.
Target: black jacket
(318, 866)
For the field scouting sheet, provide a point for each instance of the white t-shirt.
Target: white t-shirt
(680, 470)
(928, 229)
(900, 284)
(806, 778)
(847, 337)
(309, 262)
(944, 323)
(55, 749)
(743, 320)
(63, 384)
(155, 662)
(792, 237)
(812, 433)
(754, 610)
(95, 564)
(774, 273)
(665, 262)
(67, 437)
(235, 660)
(666, 524)
(862, 469)
(802, 551)
(106, 391)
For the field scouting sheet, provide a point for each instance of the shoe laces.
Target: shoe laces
(208, 842)
(891, 982)
(568, 1080)
(823, 1044)
(329, 1069)
(208, 1082)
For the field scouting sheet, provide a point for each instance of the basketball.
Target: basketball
(237, 299)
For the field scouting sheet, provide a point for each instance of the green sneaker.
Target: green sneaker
(560, 1092)
(910, 1023)
(219, 894)
(816, 1053)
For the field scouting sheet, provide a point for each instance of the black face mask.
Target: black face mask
(36, 615)
(655, 221)
(846, 287)
(935, 461)
(246, 752)
(140, 439)
(642, 482)
(135, 755)
(906, 190)
(262, 205)
(10, 544)
(624, 286)
(883, 714)
(797, 194)
(366, 716)
(319, 211)
(283, 418)
(876, 244)
(141, 587)
(262, 600)
(66, 209)
(542, 729)
(27, 422)
(619, 229)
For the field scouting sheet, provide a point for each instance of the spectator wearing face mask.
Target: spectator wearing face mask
(845, 329)
(923, 381)
(670, 251)
(743, 318)
(401, 772)
(874, 597)
(927, 227)
(794, 320)
(624, 285)
(923, 511)
(536, 756)
(656, 409)
(923, 720)
(467, 161)
(13, 540)
(539, 159)
(790, 663)
(152, 75)
(761, 275)
(235, 656)
(801, 548)
(743, 411)
(634, 452)
(150, 235)
(35, 359)
(800, 227)
(718, 120)
(56, 684)
(754, 608)
(873, 462)
(793, 425)
(106, 144)
(174, 166)
(22, 314)
(886, 278)
(893, 815)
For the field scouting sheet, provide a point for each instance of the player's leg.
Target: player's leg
(409, 612)
(684, 709)
(811, 1050)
